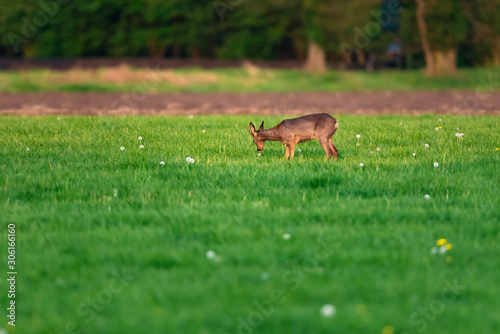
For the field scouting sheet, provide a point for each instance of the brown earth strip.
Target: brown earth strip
(358, 103)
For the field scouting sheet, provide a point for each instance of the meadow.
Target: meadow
(112, 241)
(197, 80)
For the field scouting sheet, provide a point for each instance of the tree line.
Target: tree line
(437, 34)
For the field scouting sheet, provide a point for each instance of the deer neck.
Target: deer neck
(269, 134)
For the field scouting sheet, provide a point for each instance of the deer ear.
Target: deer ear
(261, 126)
(252, 128)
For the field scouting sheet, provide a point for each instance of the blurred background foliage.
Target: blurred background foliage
(349, 32)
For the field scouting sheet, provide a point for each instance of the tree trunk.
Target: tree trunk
(437, 62)
(496, 52)
(445, 62)
(422, 28)
(316, 59)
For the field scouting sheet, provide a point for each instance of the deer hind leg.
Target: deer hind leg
(326, 147)
(333, 149)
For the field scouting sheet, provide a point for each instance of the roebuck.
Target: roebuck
(293, 131)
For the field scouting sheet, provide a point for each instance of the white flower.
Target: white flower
(357, 144)
(436, 128)
(258, 154)
(299, 150)
(461, 135)
(427, 196)
(265, 276)
(426, 145)
(191, 116)
(122, 148)
(361, 164)
(190, 160)
(434, 250)
(436, 164)
(457, 134)
(439, 119)
(443, 249)
(327, 311)
(358, 136)
(371, 152)
(140, 138)
(58, 118)
(203, 130)
(414, 154)
(378, 149)
(286, 236)
(27, 148)
(210, 255)
(141, 146)
(162, 163)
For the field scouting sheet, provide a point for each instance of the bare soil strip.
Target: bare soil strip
(357, 103)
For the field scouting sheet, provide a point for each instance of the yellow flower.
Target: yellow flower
(449, 246)
(440, 127)
(448, 258)
(441, 242)
(388, 330)
(498, 148)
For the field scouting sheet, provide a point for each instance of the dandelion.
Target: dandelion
(440, 127)
(427, 196)
(162, 163)
(210, 255)
(358, 136)
(378, 149)
(27, 148)
(388, 330)
(327, 311)
(426, 145)
(286, 236)
(441, 242)
(122, 148)
(357, 144)
(498, 148)
(140, 138)
(141, 146)
(449, 246)
(414, 154)
(361, 164)
(436, 164)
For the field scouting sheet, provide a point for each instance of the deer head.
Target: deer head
(258, 140)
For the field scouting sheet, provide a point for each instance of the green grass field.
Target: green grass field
(239, 80)
(360, 237)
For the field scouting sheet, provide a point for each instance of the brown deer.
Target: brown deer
(293, 131)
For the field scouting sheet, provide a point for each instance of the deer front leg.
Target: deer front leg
(287, 151)
(292, 150)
